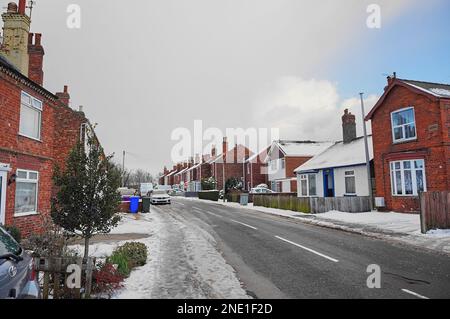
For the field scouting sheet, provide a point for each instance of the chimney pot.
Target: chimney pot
(12, 7)
(66, 89)
(30, 38)
(80, 108)
(38, 38)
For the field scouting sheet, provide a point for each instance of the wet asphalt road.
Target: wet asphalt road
(276, 257)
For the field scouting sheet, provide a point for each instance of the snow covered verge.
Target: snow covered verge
(389, 225)
(183, 261)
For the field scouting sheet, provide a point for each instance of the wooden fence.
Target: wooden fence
(52, 275)
(434, 210)
(290, 201)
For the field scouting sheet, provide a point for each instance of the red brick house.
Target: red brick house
(411, 140)
(284, 157)
(229, 164)
(255, 170)
(37, 128)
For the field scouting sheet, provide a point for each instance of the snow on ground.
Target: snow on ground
(183, 260)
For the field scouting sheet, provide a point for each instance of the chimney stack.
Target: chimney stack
(22, 6)
(64, 97)
(224, 146)
(16, 29)
(348, 126)
(36, 58)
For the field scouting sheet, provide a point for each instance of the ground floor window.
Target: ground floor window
(308, 185)
(408, 177)
(26, 192)
(350, 183)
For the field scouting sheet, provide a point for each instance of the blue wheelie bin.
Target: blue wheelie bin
(134, 204)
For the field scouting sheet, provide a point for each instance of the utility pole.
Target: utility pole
(223, 176)
(366, 143)
(123, 169)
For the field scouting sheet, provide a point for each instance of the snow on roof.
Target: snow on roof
(171, 173)
(339, 155)
(230, 154)
(302, 148)
(436, 89)
(182, 171)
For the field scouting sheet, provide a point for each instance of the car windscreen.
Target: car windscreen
(159, 192)
(7, 244)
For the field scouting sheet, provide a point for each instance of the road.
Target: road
(275, 257)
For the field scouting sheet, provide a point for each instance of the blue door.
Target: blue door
(328, 183)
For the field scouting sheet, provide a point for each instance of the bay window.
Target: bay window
(30, 116)
(26, 192)
(408, 177)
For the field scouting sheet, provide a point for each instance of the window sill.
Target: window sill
(18, 215)
(405, 196)
(404, 141)
(31, 138)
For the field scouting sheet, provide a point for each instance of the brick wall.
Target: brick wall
(293, 163)
(428, 146)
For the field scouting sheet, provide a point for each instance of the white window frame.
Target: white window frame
(283, 163)
(352, 175)
(394, 190)
(393, 127)
(35, 108)
(32, 181)
(306, 177)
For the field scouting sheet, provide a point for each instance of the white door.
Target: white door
(3, 177)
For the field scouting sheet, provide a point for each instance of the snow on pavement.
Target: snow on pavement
(183, 260)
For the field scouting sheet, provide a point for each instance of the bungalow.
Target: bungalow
(340, 170)
(284, 157)
(411, 140)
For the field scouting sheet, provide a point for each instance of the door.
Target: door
(3, 177)
(328, 183)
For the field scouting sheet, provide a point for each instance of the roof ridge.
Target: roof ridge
(407, 80)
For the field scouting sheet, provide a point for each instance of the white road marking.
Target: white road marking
(308, 249)
(235, 221)
(198, 210)
(414, 294)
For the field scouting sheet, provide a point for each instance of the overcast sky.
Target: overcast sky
(143, 68)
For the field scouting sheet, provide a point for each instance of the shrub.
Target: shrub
(122, 263)
(136, 253)
(52, 242)
(210, 195)
(128, 256)
(106, 279)
(233, 183)
(14, 232)
(209, 183)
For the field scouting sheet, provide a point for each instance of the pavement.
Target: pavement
(279, 257)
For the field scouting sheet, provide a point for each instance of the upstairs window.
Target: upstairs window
(403, 125)
(30, 116)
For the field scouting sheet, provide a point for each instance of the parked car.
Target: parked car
(17, 275)
(159, 197)
(261, 190)
(176, 192)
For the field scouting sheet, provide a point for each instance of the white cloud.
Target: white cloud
(308, 109)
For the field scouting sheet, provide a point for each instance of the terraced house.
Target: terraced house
(411, 141)
(37, 128)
